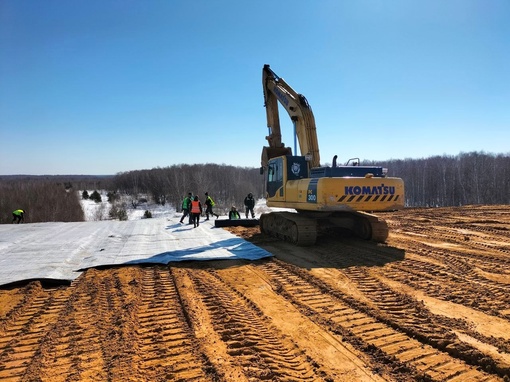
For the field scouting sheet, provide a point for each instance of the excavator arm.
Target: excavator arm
(277, 90)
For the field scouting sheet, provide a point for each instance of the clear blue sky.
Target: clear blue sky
(100, 87)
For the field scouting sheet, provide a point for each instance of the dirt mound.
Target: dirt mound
(432, 304)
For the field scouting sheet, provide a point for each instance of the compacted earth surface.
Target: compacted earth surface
(430, 304)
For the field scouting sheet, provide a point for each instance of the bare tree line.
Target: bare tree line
(439, 181)
(46, 198)
(42, 201)
(227, 185)
(442, 181)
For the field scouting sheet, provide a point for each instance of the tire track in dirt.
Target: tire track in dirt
(439, 274)
(359, 326)
(166, 341)
(474, 226)
(462, 273)
(89, 331)
(446, 276)
(26, 327)
(101, 328)
(458, 264)
(73, 347)
(410, 316)
(259, 349)
(464, 238)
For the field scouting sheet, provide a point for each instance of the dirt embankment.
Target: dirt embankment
(432, 304)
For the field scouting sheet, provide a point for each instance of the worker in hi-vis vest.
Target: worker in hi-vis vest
(196, 211)
(18, 216)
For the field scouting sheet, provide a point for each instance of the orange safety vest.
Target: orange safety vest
(195, 207)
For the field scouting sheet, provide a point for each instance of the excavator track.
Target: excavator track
(290, 227)
(370, 227)
(302, 230)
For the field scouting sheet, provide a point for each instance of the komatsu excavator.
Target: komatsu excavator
(325, 198)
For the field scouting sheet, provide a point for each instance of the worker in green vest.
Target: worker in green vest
(18, 216)
(209, 204)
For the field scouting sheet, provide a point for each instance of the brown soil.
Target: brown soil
(432, 304)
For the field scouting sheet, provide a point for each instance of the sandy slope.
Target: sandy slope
(432, 304)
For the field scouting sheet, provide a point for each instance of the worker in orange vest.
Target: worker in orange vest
(196, 211)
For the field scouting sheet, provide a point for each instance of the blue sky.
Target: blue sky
(100, 87)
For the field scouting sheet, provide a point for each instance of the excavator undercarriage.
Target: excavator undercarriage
(303, 228)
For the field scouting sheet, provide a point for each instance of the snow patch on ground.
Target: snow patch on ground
(262, 208)
(95, 211)
(100, 211)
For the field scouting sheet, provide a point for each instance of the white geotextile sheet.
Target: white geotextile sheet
(61, 250)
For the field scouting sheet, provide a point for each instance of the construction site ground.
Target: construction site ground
(431, 304)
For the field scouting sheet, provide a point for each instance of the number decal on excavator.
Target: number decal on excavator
(311, 193)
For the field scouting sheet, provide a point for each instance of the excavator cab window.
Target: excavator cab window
(274, 176)
(274, 171)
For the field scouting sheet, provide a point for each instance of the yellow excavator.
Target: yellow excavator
(321, 199)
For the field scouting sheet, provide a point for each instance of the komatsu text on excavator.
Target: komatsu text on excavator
(325, 198)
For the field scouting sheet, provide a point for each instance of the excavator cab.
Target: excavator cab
(283, 169)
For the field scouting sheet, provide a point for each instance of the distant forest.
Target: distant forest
(440, 181)
(445, 181)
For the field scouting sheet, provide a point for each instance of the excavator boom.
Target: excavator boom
(277, 90)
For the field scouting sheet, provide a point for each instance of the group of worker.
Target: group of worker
(192, 208)
(249, 204)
